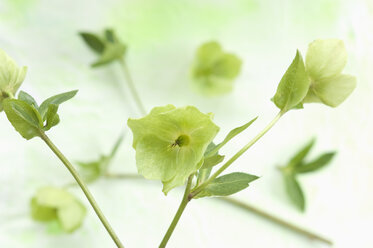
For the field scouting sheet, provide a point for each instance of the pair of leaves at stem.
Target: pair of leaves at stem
(296, 166)
(108, 46)
(93, 170)
(214, 70)
(57, 207)
(29, 119)
(318, 80)
(228, 184)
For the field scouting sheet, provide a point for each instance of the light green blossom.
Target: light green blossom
(56, 205)
(214, 70)
(325, 61)
(170, 143)
(11, 77)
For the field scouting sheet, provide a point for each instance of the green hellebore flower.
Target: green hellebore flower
(11, 77)
(170, 143)
(214, 70)
(53, 204)
(325, 61)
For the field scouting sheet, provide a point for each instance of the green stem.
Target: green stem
(198, 189)
(84, 188)
(275, 219)
(131, 86)
(178, 214)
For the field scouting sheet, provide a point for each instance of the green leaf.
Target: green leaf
(24, 118)
(112, 52)
(170, 143)
(227, 185)
(93, 41)
(110, 35)
(317, 164)
(297, 160)
(52, 117)
(294, 191)
(52, 205)
(92, 170)
(203, 175)
(211, 161)
(27, 98)
(56, 100)
(233, 133)
(293, 86)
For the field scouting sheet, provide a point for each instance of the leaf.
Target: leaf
(112, 52)
(91, 171)
(297, 160)
(56, 100)
(52, 117)
(294, 191)
(317, 164)
(110, 35)
(203, 175)
(24, 118)
(233, 133)
(293, 86)
(27, 98)
(93, 41)
(211, 161)
(227, 184)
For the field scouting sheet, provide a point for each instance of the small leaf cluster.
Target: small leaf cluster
(297, 165)
(318, 80)
(214, 70)
(31, 120)
(57, 207)
(108, 46)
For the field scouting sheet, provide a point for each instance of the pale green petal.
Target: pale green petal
(228, 66)
(212, 85)
(333, 91)
(53, 197)
(71, 216)
(208, 53)
(325, 58)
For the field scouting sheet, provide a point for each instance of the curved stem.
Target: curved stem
(178, 214)
(131, 86)
(84, 188)
(198, 189)
(275, 219)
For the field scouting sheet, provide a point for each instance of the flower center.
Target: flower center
(182, 140)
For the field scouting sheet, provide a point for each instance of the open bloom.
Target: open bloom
(214, 70)
(52, 204)
(325, 61)
(11, 77)
(170, 143)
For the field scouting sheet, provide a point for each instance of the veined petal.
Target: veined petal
(334, 90)
(325, 58)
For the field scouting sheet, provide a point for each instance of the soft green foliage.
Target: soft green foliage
(214, 70)
(11, 77)
(233, 133)
(59, 207)
(325, 61)
(227, 185)
(293, 86)
(92, 170)
(297, 165)
(30, 120)
(294, 191)
(108, 47)
(24, 117)
(170, 143)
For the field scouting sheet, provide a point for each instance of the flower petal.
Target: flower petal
(325, 58)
